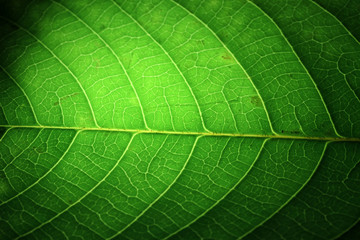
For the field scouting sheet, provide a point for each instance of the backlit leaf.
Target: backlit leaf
(180, 119)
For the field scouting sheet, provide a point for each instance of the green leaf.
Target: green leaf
(180, 119)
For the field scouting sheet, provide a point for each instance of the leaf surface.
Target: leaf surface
(179, 119)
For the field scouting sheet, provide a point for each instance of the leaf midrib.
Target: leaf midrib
(210, 134)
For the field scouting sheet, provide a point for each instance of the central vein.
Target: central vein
(214, 134)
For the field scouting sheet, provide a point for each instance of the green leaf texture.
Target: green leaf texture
(180, 119)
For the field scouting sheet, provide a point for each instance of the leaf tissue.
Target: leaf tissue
(180, 119)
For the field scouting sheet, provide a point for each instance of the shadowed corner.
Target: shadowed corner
(352, 233)
(9, 12)
(13, 43)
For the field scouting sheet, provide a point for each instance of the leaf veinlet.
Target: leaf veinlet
(332, 123)
(64, 65)
(57, 215)
(262, 102)
(179, 120)
(122, 66)
(167, 54)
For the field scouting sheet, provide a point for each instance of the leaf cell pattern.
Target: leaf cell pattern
(180, 119)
